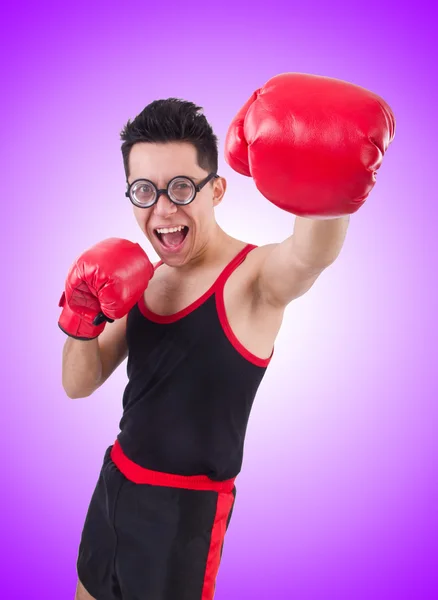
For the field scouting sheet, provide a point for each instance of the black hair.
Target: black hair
(172, 120)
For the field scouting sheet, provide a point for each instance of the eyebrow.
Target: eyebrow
(174, 177)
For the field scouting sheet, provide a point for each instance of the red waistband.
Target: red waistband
(138, 474)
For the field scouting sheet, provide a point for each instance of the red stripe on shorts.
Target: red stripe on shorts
(224, 505)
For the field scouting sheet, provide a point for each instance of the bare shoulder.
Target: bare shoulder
(245, 282)
(249, 270)
(278, 276)
(254, 322)
(257, 256)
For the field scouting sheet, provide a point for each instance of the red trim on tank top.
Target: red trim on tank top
(218, 288)
(222, 313)
(156, 318)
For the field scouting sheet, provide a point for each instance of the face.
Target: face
(160, 163)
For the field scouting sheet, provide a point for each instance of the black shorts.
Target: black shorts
(152, 541)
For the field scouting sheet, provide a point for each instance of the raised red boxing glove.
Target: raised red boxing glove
(102, 285)
(312, 144)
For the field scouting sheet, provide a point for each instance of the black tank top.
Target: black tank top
(191, 387)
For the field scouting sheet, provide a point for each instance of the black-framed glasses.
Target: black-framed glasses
(180, 190)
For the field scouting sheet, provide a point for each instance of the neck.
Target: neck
(211, 251)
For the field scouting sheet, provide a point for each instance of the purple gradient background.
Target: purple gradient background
(338, 497)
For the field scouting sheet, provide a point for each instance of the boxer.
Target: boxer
(198, 328)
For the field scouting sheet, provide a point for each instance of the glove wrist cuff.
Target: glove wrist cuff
(76, 326)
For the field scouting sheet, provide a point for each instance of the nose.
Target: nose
(164, 206)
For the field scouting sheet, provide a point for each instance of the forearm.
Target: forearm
(81, 367)
(317, 243)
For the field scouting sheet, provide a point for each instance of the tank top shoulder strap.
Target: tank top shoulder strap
(158, 264)
(233, 264)
(230, 267)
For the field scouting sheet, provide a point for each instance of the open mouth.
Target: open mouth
(172, 238)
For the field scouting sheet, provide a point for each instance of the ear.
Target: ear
(219, 189)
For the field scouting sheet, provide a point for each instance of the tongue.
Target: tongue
(172, 239)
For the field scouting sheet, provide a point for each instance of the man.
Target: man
(199, 328)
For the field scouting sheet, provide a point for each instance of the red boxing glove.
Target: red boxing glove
(102, 285)
(312, 144)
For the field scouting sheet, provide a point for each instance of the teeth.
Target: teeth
(171, 229)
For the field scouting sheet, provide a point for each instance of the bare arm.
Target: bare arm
(292, 267)
(86, 365)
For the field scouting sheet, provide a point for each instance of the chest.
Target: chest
(167, 295)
